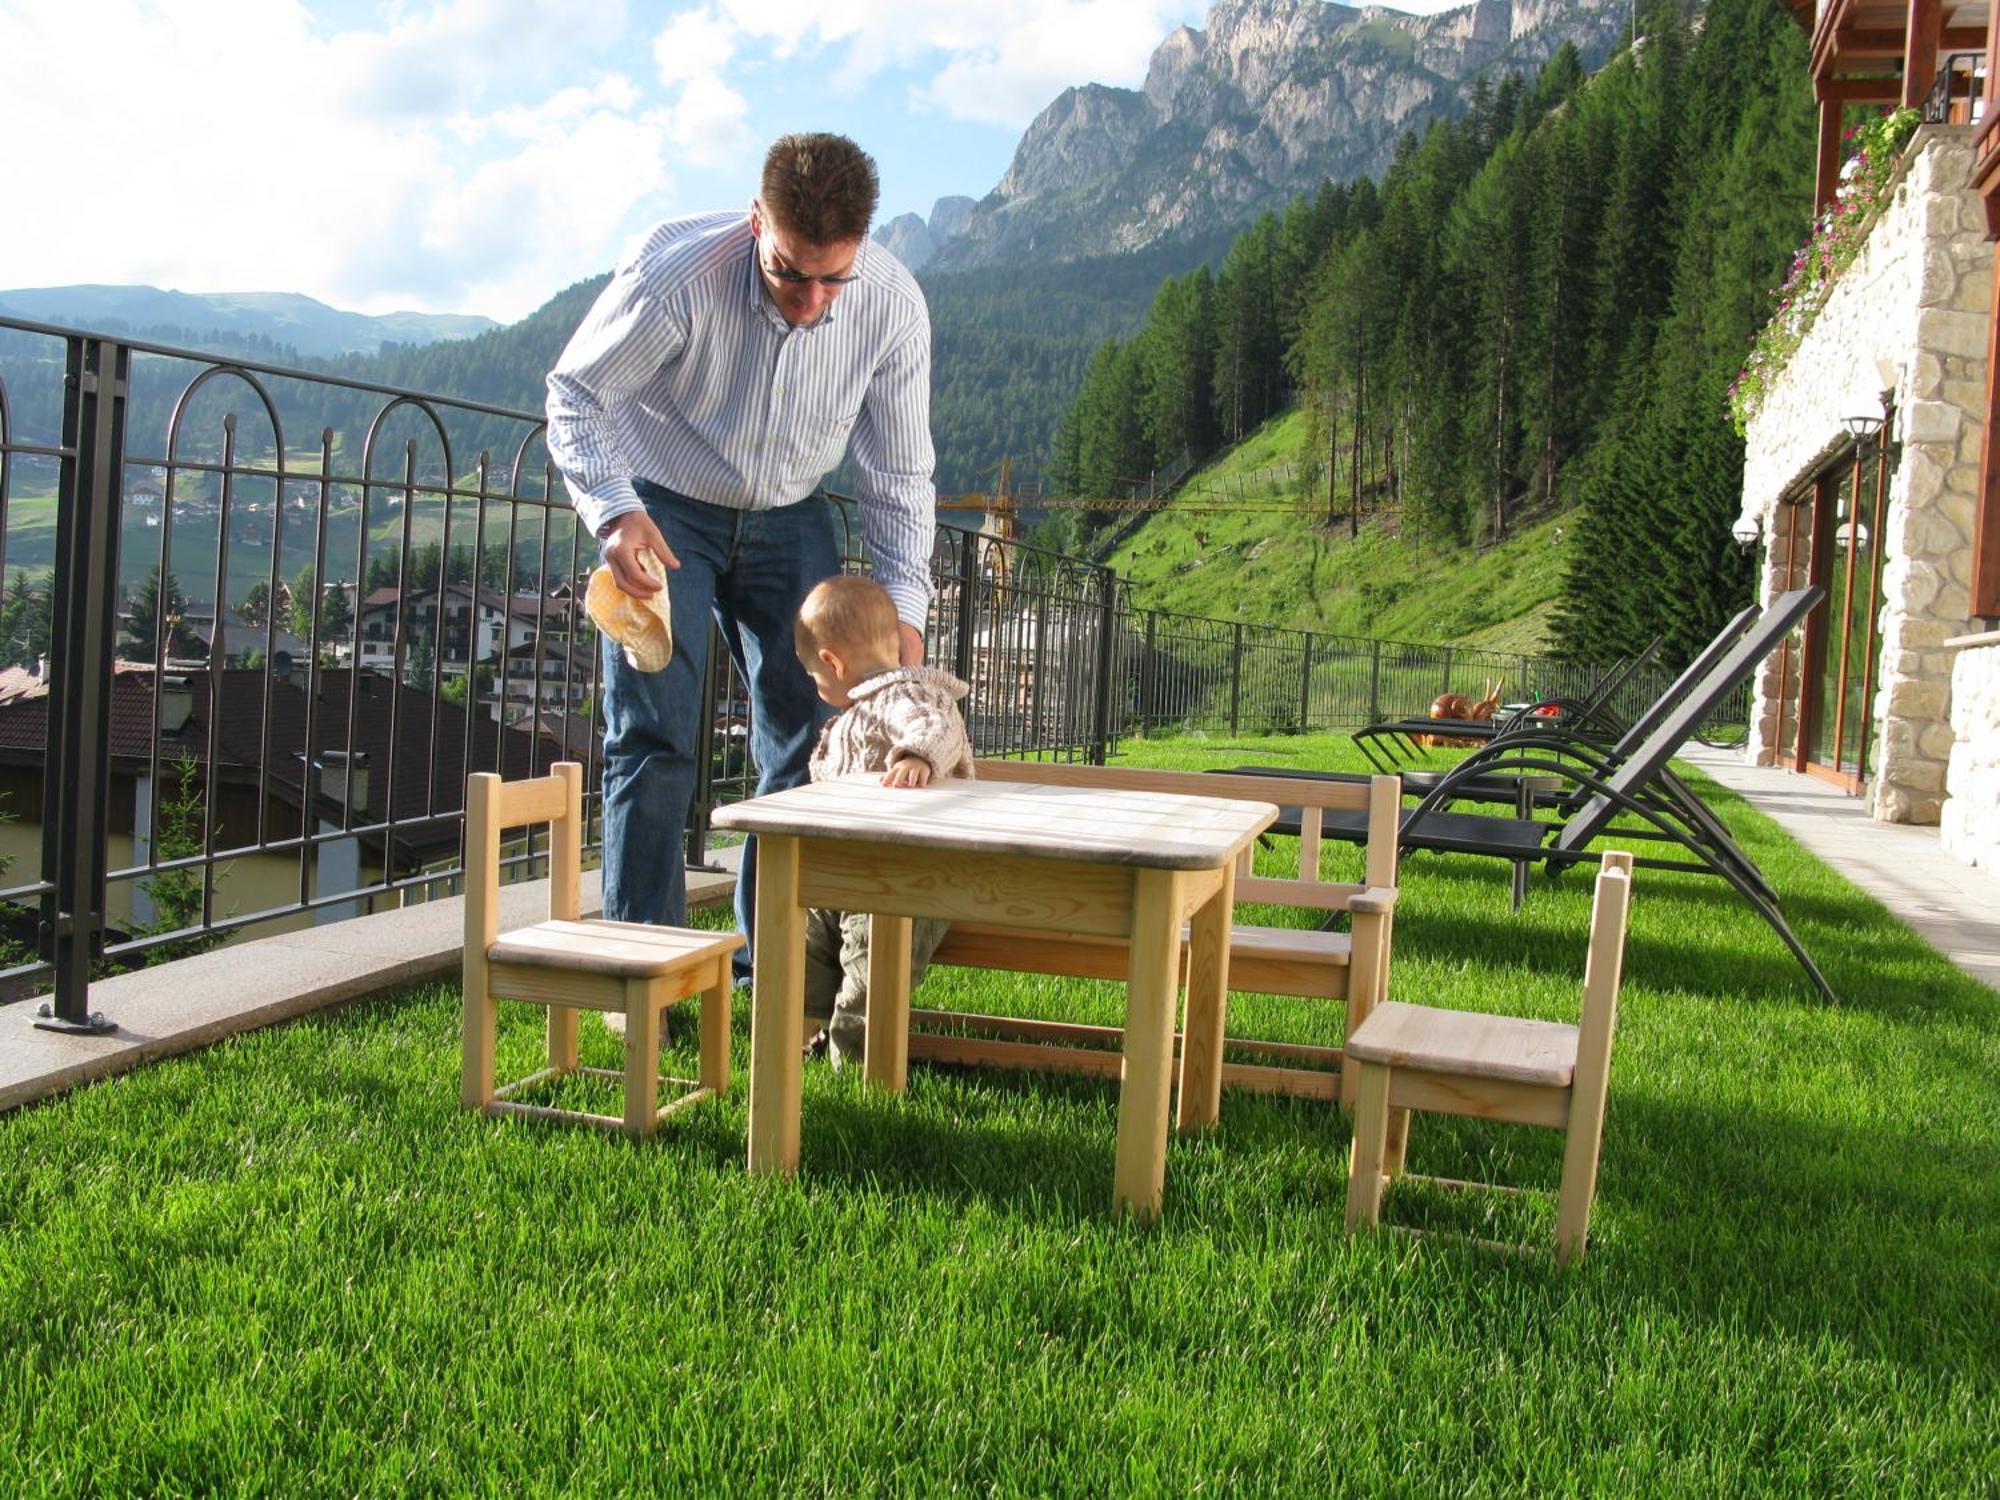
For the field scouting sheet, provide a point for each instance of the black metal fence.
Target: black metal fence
(258, 624)
(1956, 91)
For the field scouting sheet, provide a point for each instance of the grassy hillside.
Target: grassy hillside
(1240, 542)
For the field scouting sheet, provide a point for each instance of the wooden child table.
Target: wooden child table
(1062, 859)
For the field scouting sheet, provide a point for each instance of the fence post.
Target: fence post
(1446, 686)
(696, 853)
(1038, 670)
(1375, 683)
(1107, 617)
(968, 606)
(1305, 683)
(1148, 690)
(76, 777)
(1236, 679)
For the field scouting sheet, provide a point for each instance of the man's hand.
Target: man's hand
(631, 534)
(912, 648)
(911, 770)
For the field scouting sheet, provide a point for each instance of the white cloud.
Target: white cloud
(997, 63)
(710, 123)
(509, 233)
(454, 54)
(694, 45)
(462, 155)
(690, 53)
(247, 151)
(1011, 79)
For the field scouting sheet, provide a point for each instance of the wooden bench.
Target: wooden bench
(1352, 967)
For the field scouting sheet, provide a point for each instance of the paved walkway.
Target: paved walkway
(1952, 905)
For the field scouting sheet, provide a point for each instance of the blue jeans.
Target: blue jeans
(749, 569)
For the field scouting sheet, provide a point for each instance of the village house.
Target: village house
(379, 768)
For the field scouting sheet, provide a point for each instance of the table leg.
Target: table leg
(642, 1058)
(777, 1008)
(1207, 1009)
(887, 1063)
(1152, 980)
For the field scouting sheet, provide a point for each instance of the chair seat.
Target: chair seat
(1290, 945)
(1468, 1043)
(628, 950)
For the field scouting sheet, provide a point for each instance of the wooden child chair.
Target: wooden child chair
(624, 968)
(1414, 1057)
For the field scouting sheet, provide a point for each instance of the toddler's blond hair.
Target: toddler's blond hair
(844, 613)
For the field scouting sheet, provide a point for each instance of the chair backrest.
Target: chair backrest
(493, 806)
(1381, 796)
(1604, 968)
(1650, 757)
(1598, 699)
(1603, 975)
(1691, 675)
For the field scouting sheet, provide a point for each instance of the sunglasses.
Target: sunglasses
(778, 271)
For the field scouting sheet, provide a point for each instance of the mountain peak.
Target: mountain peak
(1263, 102)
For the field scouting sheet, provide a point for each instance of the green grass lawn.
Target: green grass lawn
(291, 1264)
(1270, 557)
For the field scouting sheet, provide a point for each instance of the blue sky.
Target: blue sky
(480, 155)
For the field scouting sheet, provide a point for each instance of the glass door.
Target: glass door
(1842, 654)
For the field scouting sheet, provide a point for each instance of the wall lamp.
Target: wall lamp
(1746, 531)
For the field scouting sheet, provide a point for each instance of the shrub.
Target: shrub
(1835, 239)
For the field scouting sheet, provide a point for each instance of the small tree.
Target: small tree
(336, 612)
(155, 606)
(305, 589)
(24, 622)
(177, 894)
(256, 606)
(417, 666)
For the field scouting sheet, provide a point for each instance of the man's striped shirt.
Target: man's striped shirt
(685, 374)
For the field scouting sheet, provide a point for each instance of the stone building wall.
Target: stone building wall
(1970, 827)
(1909, 316)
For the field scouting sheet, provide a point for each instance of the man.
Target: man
(727, 367)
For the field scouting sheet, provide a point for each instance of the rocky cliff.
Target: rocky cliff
(914, 240)
(1262, 103)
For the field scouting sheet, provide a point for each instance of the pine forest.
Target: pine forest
(1539, 308)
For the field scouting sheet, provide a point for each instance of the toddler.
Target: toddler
(899, 722)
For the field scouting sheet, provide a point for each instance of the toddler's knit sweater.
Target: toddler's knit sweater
(904, 711)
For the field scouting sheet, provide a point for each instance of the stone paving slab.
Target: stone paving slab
(194, 1002)
(1953, 906)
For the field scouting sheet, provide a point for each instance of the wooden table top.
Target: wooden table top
(1096, 825)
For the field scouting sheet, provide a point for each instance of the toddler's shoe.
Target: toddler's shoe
(844, 1046)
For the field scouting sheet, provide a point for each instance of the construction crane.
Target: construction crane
(1003, 520)
(1001, 523)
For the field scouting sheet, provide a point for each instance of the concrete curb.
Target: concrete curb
(194, 1002)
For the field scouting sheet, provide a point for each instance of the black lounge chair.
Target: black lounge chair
(1394, 743)
(1605, 787)
(1588, 720)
